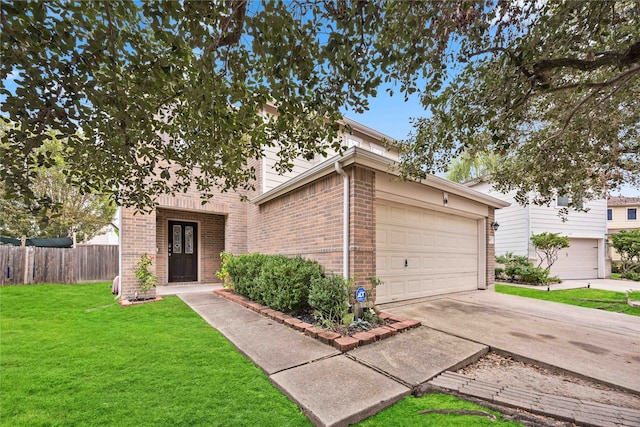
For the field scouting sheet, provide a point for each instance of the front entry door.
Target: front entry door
(183, 251)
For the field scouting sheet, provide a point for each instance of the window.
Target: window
(352, 142)
(609, 215)
(562, 201)
(632, 214)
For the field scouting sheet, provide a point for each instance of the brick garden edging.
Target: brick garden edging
(334, 339)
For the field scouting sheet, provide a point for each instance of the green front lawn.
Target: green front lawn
(70, 355)
(606, 300)
(408, 412)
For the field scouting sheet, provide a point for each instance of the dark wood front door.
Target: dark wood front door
(183, 251)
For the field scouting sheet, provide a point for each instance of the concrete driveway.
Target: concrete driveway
(596, 344)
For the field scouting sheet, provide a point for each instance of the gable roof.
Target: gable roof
(356, 155)
(623, 201)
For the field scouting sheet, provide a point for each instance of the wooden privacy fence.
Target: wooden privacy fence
(27, 265)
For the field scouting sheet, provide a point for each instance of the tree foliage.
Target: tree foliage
(555, 84)
(66, 211)
(627, 244)
(547, 246)
(153, 96)
(467, 167)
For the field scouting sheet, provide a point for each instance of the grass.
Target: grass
(615, 275)
(70, 355)
(408, 413)
(575, 297)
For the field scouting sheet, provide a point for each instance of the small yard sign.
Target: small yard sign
(361, 294)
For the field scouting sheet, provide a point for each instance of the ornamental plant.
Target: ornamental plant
(146, 279)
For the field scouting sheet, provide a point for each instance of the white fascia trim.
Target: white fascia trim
(357, 155)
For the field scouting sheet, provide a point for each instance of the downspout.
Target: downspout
(120, 252)
(345, 221)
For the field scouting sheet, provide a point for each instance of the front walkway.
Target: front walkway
(338, 389)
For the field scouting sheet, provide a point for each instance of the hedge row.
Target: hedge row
(287, 284)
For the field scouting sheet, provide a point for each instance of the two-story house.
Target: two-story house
(350, 212)
(622, 214)
(585, 258)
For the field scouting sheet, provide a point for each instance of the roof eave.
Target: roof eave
(365, 158)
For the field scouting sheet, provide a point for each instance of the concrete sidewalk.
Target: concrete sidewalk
(332, 388)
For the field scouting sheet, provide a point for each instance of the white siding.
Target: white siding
(512, 236)
(590, 224)
(272, 179)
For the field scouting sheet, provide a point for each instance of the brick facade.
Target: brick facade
(306, 222)
(362, 250)
(222, 226)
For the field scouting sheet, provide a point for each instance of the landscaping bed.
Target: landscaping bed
(393, 325)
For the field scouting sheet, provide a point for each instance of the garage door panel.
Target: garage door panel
(578, 261)
(441, 252)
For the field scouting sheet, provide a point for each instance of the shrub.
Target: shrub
(244, 272)
(223, 273)
(284, 282)
(631, 275)
(498, 272)
(519, 269)
(627, 244)
(146, 279)
(616, 267)
(328, 298)
(531, 274)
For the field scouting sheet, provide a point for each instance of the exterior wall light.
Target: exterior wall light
(494, 225)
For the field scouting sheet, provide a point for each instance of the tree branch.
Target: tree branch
(236, 19)
(625, 77)
(626, 58)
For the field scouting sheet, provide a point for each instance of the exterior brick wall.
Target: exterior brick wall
(210, 243)
(305, 222)
(138, 238)
(362, 251)
(222, 226)
(309, 222)
(490, 247)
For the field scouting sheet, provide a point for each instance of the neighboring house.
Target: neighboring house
(585, 258)
(108, 235)
(622, 214)
(349, 212)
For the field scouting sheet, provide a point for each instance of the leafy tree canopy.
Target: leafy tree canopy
(555, 84)
(66, 211)
(146, 93)
(467, 167)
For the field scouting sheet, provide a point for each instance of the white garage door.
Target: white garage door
(578, 261)
(420, 252)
